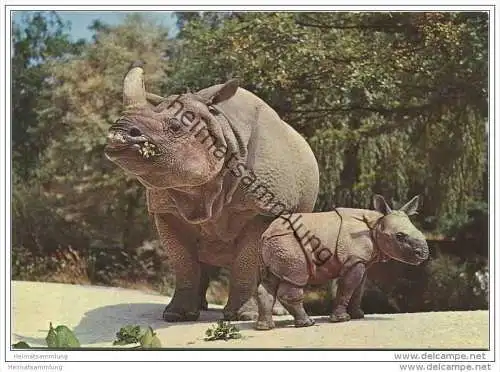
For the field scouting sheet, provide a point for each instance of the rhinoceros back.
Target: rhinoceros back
(281, 159)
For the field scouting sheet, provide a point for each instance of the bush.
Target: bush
(40, 236)
(145, 266)
(27, 266)
(38, 227)
(444, 283)
(456, 284)
(469, 229)
(51, 244)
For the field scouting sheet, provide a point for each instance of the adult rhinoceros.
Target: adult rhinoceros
(218, 166)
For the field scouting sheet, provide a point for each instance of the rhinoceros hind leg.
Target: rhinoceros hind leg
(204, 283)
(266, 298)
(356, 314)
(241, 304)
(292, 298)
(177, 311)
(339, 317)
(246, 312)
(173, 317)
(279, 309)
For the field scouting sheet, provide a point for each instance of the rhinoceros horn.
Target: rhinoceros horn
(134, 93)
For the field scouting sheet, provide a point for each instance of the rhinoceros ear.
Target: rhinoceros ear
(226, 91)
(380, 204)
(411, 207)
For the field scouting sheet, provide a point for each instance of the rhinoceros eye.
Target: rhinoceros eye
(400, 236)
(174, 126)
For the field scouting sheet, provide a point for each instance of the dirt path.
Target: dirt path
(97, 313)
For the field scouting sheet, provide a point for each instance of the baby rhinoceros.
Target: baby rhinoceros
(339, 244)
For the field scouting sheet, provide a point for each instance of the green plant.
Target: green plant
(61, 337)
(132, 334)
(222, 331)
(127, 335)
(21, 345)
(57, 338)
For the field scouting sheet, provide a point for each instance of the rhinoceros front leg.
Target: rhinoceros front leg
(241, 304)
(185, 304)
(354, 307)
(347, 284)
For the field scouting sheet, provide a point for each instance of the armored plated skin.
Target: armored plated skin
(312, 248)
(218, 166)
(324, 246)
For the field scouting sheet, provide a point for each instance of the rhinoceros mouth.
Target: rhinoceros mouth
(414, 260)
(119, 141)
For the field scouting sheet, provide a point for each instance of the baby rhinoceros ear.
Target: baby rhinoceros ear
(411, 207)
(226, 91)
(380, 204)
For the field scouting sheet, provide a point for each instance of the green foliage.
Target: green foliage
(469, 228)
(456, 284)
(21, 345)
(368, 91)
(472, 223)
(78, 183)
(86, 99)
(40, 37)
(37, 225)
(222, 331)
(128, 335)
(149, 340)
(132, 334)
(445, 283)
(61, 337)
(76, 198)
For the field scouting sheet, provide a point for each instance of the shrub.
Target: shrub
(444, 283)
(456, 284)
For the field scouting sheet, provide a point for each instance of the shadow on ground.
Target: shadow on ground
(101, 324)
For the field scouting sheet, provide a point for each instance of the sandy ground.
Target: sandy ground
(97, 313)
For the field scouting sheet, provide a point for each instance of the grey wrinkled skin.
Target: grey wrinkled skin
(201, 157)
(351, 240)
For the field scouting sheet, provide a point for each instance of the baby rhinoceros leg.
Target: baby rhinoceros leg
(347, 285)
(354, 307)
(292, 298)
(266, 298)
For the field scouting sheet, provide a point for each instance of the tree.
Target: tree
(394, 103)
(86, 98)
(39, 38)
